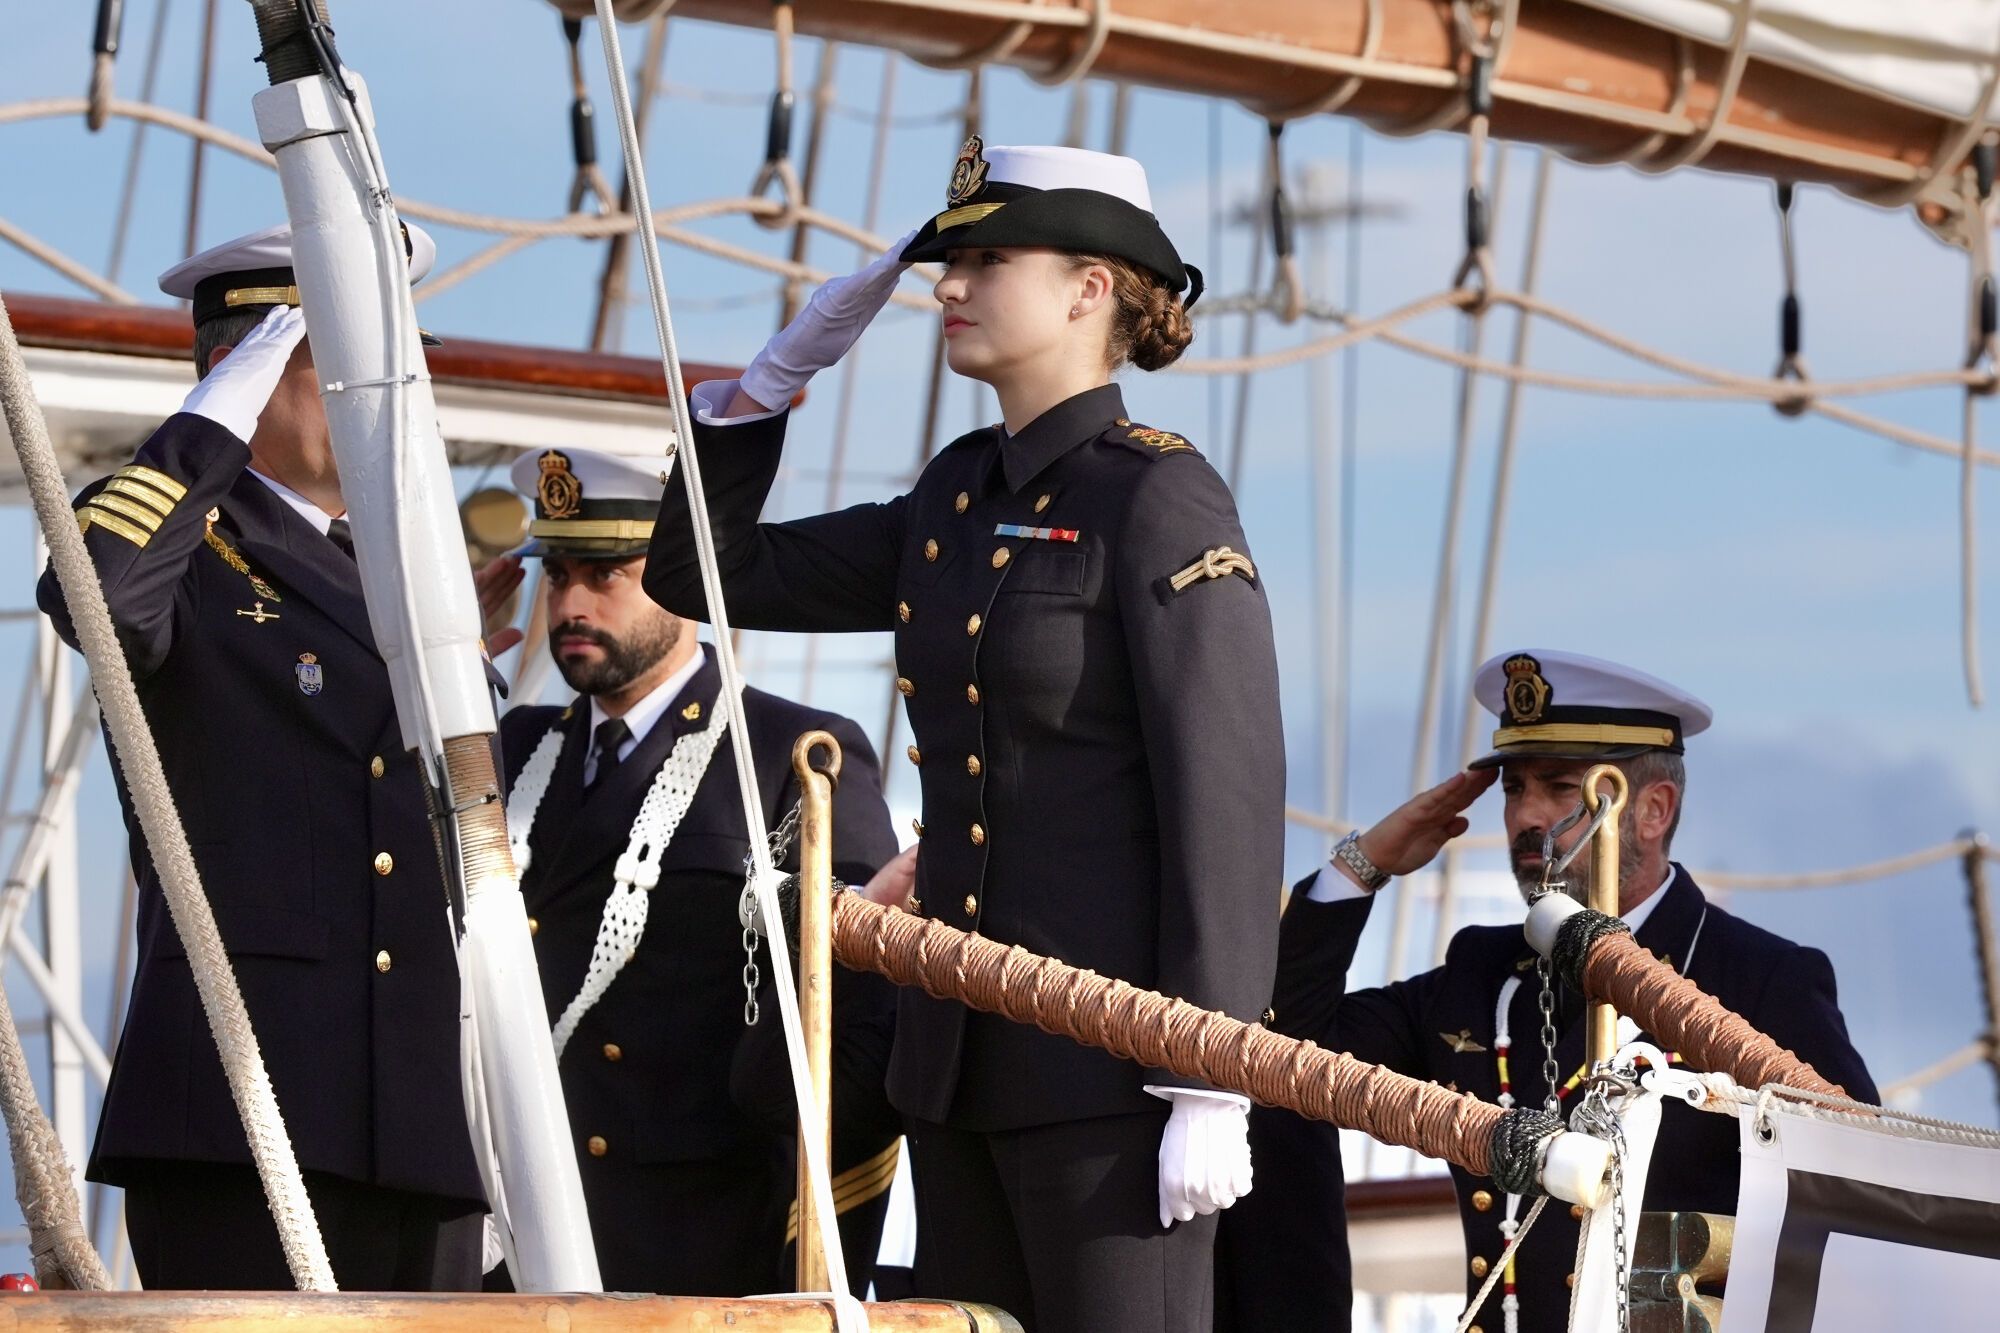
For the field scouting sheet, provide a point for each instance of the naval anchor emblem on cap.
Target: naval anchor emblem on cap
(311, 678)
(968, 174)
(560, 493)
(1527, 693)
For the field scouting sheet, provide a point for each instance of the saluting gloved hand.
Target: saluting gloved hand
(234, 393)
(1204, 1153)
(821, 333)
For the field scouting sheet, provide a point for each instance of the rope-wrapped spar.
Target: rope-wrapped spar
(1597, 955)
(1167, 1033)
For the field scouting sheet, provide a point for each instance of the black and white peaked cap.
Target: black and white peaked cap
(1062, 198)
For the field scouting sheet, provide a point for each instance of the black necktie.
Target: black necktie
(342, 536)
(611, 734)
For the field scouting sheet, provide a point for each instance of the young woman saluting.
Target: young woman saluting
(1085, 651)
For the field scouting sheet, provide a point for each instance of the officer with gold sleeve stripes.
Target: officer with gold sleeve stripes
(1085, 651)
(223, 550)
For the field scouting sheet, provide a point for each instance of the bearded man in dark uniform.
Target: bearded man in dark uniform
(1474, 1023)
(629, 831)
(224, 553)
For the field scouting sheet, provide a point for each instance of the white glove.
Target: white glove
(820, 335)
(233, 394)
(1204, 1153)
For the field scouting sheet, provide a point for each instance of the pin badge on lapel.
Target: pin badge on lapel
(260, 615)
(312, 679)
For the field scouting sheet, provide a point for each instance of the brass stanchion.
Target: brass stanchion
(815, 979)
(1601, 1031)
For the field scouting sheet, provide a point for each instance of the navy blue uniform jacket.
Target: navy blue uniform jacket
(275, 724)
(1101, 754)
(1439, 1026)
(649, 1067)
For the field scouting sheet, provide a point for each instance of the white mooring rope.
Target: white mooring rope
(848, 1313)
(159, 820)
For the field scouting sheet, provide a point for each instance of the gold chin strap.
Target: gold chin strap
(237, 296)
(1588, 733)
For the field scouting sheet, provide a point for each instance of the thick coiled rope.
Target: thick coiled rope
(1168, 1033)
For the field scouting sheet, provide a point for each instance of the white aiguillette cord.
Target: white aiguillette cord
(848, 1314)
(638, 872)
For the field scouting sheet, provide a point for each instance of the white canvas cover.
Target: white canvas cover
(1852, 1224)
(1935, 55)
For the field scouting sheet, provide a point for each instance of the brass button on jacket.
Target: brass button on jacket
(534, 927)
(1480, 1267)
(384, 863)
(598, 1147)
(972, 625)
(382, 962)
(972, 694)
(903, 612)
(978, 836)
(1481, 1201)
(905, 686)
(916, 755)
(612, 1053)
(971, 905)
(376, 768)
(962, 503)
(931, 549)
(1001, 557)
(972, 764)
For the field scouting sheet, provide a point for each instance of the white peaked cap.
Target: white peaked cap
(1044, 167)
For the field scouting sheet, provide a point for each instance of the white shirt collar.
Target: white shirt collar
(306, 509)
(1637, 916)
(642, 716)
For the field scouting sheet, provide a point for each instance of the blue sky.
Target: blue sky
(1798, 576)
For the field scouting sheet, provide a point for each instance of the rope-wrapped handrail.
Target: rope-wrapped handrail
(1166, 1033)
(1597, 956)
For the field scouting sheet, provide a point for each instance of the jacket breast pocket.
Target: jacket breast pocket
(1043, 569)
(263, 932)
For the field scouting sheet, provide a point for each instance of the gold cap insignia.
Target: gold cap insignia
(1527, 693)
(692, 712)
(559, 492)
(968, 174)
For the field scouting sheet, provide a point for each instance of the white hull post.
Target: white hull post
(353, 280)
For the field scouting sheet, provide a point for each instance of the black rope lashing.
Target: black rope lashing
(1518, 1147)
(1575, 938)
(103, 63)
(1986, 303)
(1291, 291)
(1791, 363)
(588, 182)
(777, 167)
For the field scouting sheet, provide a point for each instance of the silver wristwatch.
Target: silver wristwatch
(1348, 852)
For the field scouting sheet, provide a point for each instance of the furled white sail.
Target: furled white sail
(1935, 55)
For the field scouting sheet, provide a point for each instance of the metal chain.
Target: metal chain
(1595, 1116)
(751, 978)
(1551, 1071)
(781, 845)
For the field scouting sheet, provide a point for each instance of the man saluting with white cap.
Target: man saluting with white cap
(1475, 1023)
(224, 553)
